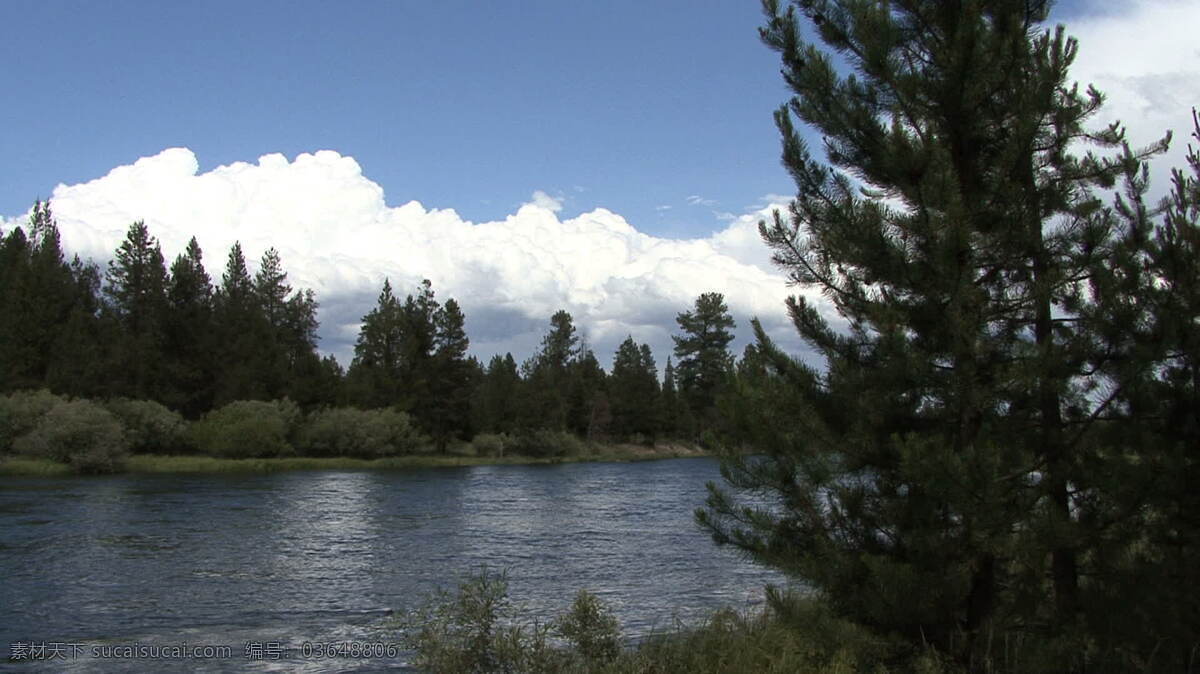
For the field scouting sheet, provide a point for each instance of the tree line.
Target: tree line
(144, 331)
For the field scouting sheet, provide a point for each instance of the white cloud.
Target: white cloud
(337, 236)
(1144, 57)
(543, 200)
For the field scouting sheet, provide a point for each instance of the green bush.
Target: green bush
(478, 630)
(150, 428)
(490, 444)
(80, 433)
(364, 434)
(544, 444)
(592, 628)
(20, 413)
(247, 429)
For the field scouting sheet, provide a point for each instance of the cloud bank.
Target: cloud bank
(337, 235)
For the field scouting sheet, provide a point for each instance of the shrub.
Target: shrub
(478, 630)
(247, 429)
(20, 413)
(150, 428)
(545, 443)
(490, 444)
(592, 628)
(365, 434)
(80, 433)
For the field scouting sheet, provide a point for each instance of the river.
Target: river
(266, 564)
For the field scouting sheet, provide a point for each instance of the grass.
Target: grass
(457, 457)
(34, 468)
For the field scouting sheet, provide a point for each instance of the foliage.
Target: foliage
(20, 413)
(247, 429)
(136, 286)
(149, 426)
(80, 433)
(968, 464)
(478, 629)
(633, 392)
(496, 400)
(591, 628)
(364, 434)
(702, 356)
(188, 332)
(548, 373)
(543, 443)
(489, 444)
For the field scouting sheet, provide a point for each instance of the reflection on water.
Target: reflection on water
(327, 556)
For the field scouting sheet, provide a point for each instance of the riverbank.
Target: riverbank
(464, 456)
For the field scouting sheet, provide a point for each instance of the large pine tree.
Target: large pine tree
(702, 353)
(931, 475)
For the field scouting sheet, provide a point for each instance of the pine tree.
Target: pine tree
(585, 380)
(451, 378)
(1145, 586)
(497, 400)
(239, 329)
(375, 374)
(35, 299)
(547, 375)
(703, 357)
(927, 473)
(671, 413)
(78, 364)
(136, 285)
(417, 367)
(189, 339)
(633, 392)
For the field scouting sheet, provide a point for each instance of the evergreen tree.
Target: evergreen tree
(703, 357)
(671, 413)
(305, 377)
(1145, 589)
(375, 373)
(547, 375)
(189, 339)
(585, 380)
(420, 314)
(452, 380)
(77, 365)
(927, 475)
(137, 293)
(287, 361)
(497, 400)
(633, 391)
(239, 327)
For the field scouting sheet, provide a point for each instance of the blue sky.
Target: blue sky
(469, 105)
(608, 158)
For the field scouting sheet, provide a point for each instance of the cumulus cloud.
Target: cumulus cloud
(1143, 55)
(543, 200)
(338, 236)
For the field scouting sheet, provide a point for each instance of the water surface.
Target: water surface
(261, 561)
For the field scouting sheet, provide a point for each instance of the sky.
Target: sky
(611, 158)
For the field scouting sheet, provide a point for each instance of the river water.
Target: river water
(271, 565)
